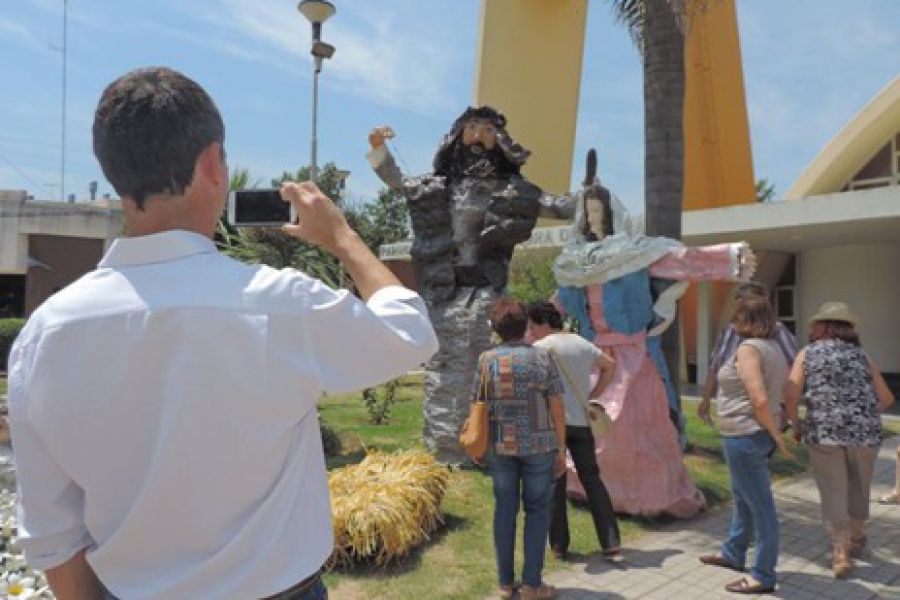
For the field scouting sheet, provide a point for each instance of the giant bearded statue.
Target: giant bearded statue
(467, 216)
(472, 209)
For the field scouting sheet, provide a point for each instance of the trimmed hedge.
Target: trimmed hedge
(9, 329)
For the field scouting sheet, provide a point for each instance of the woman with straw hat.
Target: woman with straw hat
(844, 394)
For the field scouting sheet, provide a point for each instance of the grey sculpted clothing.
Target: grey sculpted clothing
(465, 230)
(735, 411)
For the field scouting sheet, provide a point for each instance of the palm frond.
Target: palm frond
(631, 14)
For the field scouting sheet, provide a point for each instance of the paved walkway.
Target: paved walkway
(663, 565)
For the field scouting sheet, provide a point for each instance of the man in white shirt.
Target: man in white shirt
(576, 358)
(163, 407)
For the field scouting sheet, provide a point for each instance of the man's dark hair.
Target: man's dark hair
(545, 313)
(150, 126)
(509, 319)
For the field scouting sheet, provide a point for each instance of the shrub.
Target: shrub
(380, 407)
(9, 329)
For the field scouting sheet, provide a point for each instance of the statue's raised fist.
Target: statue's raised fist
(379, 135)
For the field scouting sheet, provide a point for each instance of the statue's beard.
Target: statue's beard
(475, 161)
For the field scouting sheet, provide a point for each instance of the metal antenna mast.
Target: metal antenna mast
(62, 165)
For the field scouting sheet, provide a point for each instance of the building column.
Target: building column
(529, 67)
(703, 329)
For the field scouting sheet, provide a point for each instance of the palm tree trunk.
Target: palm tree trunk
(664, 140)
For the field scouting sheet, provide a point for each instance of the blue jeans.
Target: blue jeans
(754, 506)
(533, 475)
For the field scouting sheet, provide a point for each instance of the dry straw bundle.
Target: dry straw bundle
(385, 506)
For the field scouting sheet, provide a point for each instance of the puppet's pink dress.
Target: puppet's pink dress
(640, 459)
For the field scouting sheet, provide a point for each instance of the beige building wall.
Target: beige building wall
(867, 277)
(21, 218)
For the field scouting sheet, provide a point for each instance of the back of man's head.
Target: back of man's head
(750, 290)
(545, 313)
(150, 126)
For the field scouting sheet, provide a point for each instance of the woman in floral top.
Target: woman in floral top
(845, 395)
(527, 440)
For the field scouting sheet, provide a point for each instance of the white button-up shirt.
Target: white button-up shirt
(163, 412)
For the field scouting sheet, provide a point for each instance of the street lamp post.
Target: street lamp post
(317, 12)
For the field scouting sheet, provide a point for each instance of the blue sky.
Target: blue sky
(809, 66)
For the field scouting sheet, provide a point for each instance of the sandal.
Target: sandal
(543, 592)
(892, 498)
(506, 592)
(717, 561)
(744, 586)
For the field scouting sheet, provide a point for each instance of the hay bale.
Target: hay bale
(385, 506)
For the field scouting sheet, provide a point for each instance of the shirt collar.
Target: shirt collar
(156, 248)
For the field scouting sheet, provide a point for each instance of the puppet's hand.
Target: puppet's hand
(379, 135)
(746, 260)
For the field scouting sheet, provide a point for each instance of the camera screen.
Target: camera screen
(261, 206)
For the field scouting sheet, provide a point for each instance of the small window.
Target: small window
(878, 166)
(789, 274)
(784, 302)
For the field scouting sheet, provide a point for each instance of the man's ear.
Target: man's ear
(210, 167)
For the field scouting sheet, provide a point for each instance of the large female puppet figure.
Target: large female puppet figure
(613, 284)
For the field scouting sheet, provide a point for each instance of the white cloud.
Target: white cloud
(375, 60)
(75, 13)
(12, 31)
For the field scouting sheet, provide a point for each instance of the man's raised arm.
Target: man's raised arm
(357, 345)
(323, 224)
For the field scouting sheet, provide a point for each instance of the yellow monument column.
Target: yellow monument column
(718, 164)
(529, 68)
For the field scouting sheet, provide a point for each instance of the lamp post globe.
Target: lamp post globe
(317, 12)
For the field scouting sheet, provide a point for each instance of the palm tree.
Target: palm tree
(657, 28)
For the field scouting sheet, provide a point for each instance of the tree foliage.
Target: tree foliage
(765, 191)
(632, 15)
(531, 276)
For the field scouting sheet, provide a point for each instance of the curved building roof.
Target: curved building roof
(852, 147)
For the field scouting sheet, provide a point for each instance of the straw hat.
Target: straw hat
(834, 311)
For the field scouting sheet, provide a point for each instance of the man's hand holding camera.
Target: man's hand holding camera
(319, 222)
